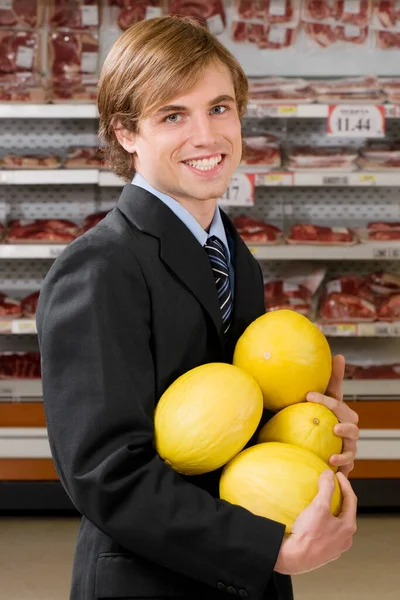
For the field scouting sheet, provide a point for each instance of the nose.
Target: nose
(202, 131)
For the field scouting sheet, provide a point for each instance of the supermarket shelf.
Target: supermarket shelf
(374, 388)
(387, 251)
(49, 176)
(109, 179)
(303, 111)
(377, 329)
(21, 388)
(48, 111)
(89, 111)
(17, 326)
(31, 250)
(333, 179)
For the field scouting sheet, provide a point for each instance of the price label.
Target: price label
(338, 180)
(367, 121)
(90, 16)
(392, 111)
(272, 179)
(240, 191)
(380, 253)
(368, 179)
(5, 326)
(382, 329)
(347, 329)
(287, 111)
(28, 326)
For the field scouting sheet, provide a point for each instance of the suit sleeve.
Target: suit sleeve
(94, 325)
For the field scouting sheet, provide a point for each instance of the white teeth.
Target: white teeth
(205, 164)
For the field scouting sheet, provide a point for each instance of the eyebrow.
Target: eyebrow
(178, 108)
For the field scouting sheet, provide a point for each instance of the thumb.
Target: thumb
(326, 487)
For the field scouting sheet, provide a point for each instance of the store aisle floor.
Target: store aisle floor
(36, 556)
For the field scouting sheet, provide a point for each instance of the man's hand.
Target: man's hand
(317, 536)
(347, 428)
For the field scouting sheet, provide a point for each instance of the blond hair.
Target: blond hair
(151, 63)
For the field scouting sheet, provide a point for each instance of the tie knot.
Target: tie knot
(215, 248)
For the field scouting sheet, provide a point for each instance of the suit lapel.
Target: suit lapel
(179, 249)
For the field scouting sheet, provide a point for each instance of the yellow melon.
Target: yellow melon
(276, 481)
(287, 355)
(206, 417)
(307, 425)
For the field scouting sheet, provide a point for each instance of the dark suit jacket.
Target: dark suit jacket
(124, 311)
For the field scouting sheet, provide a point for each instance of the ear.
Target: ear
(125, 137)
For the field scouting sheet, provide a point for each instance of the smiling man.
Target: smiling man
(163, 285)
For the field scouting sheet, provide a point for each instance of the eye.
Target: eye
(172, 118)
(219, 110)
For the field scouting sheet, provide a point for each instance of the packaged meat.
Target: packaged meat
(263, 151)
(305, 233)
(72, 53)
(268, 12)
(383, 284)
(133, 11)
(283, 96)
(211, 13)
(260, 85)
(30, 161)
(350, 284)
(73, 14)
(72, 89)
(19, 52)
(346, 85)
(10, 307)
(331, 12)
(387, 40)
(338, 308)
(281, 294)
(389, 308)
(21, 14)
(277, 38)
(59, 231)
(322, 157)
(22, 87)
(84, 158)
(386, 15)
(339, 36)
(377, 371)
(29, 305)
(20, 365)
(255, 231)
(92, 220)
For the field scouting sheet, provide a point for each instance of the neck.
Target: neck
(203, 211)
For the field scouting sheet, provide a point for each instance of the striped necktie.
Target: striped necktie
(219, 264)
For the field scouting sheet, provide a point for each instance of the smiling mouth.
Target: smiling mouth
(205, 164)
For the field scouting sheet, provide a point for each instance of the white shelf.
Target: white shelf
(109, 179)
(377, 329)
(386, 251)
(303, 111)
(20, 388)
(377, 388)
(24, 442)
(49, 176)
(50, 251)
(48, 111)
(17, 326)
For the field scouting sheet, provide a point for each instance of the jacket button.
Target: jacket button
(231, 589)
(243, 594)
(221, 586)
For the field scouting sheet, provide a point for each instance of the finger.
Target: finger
(349, 499)
(326, 487)
(346, 470)
(335, 384)
(347, 430)
(340, 460)
(342, 411)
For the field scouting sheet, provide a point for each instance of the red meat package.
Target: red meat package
(29, 305)
(84, 158)
(72, 53)
(308, 233)
(348, 89)
(295, 289)
(349, 12)
(21, 14)
(338, 36)
(263, 151)
(20, 365)
(380, 232)
(20, 52)
(386, 15)
(380, 155)
(30, 161)
(266, 37)
(391, 87)
(389, 308)
(73, 14)
(10, 307)
(383, 371)
(340, 307)
(387, 40)
(255, 231)
(383, 284)
(22, 87)
(210, 14)
(59, 231)
(268, 12)
(133, 11)
(331, 158)
(72, 89)
(92, 220)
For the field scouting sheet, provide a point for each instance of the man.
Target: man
(133, 304)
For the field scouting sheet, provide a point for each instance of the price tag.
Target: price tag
(5, 326)
(395, 253)
(338, 180)
(367, 179)
(152, 12)
(287, 111)
(273, 179)
(90, 16)
(4, 391)
(240, 191)
(24, 326)
(396, 329)
(380, 253)
(277, 8)
(367, 121)
(382, 329)
(347, 329)
(24, 58)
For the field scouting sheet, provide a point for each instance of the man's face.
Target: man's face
(190, 148)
